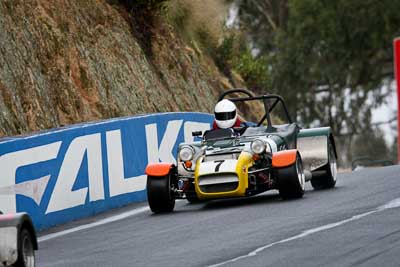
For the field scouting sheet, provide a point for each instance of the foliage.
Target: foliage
(330, 59)
(377, 151)
(261, 20)
(144, 4)
(376, 143)
(179, 15)
(227, 47)
(143, 18)
(253, 70)
(190, 22)
(234, 54)
(225, 52)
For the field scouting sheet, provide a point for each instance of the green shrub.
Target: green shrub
(253, 69)
(225, 53)
(233, 53)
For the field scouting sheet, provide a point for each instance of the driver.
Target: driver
(226, 115)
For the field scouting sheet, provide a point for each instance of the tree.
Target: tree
(330, 59)
(341, 49)
(375, 149)
(261, 20)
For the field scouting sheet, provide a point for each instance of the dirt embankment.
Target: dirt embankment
(63, 62)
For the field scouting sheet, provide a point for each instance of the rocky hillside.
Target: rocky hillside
(66, 61)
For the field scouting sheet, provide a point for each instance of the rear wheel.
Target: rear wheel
(291, 180)
(160, 193)
(26, 252)
(328, 179)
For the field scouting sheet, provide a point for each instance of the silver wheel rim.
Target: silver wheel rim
(172, 189)
(333, 165)
(28, 252)
(300, 174)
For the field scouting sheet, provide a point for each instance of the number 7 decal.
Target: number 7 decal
(219, 163)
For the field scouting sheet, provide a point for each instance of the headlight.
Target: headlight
(258, 146)
(186, 153)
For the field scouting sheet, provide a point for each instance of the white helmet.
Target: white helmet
(225, 114)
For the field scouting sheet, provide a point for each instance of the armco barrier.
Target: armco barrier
(65, 174)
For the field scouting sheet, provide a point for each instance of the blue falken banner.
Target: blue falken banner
(70, 173)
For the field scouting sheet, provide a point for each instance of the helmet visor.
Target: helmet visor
(223, 116)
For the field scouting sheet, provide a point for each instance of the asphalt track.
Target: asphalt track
(350, 225)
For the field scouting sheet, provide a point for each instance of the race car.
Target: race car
(245, 161)
(18, 240)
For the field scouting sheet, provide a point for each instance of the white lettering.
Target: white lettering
(63, 197)
(191, 126)
(118, 183)
(164, 152)
(9, 163)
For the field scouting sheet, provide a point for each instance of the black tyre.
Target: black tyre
(160, 193)
(26, 251)
(291, 180)
(328, 177)
(192, 198)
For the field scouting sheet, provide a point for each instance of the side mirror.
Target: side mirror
(197, 133)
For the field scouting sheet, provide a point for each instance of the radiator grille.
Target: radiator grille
(218, 183)
(219, 188)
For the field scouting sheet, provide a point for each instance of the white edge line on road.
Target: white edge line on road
(98, 223)
(390, 205)
(94, 224)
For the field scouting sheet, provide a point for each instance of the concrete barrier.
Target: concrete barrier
(70, 173)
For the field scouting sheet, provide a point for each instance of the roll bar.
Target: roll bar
(265, 98)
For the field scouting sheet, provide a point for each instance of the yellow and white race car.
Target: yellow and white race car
(246, 161)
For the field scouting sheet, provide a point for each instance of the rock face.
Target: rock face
(67, 61)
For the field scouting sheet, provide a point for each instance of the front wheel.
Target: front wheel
(26, 252)
(291, 180)
(192, 198)
(160, 194)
